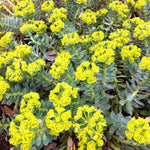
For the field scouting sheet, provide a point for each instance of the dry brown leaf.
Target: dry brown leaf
(148, 119)
(7, 110)
(106, 145)
(71, 144)
(50, 56)
(51, 146)
(4, 144)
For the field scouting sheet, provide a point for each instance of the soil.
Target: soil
(4, 143)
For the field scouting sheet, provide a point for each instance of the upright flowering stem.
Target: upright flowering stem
(103, 74)
(109, 27)
(93, 93)
(75, 16)
(47, 79)
(76, 52)
(89, 29)
(147, 47)
(104, 71)
(35, 54)
(33, 40)
(70, 78)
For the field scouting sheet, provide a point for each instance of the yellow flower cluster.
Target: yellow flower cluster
(19, 52)
(89, 127)
(3, 87)
(33, 26)
(103, 52)
(30, 102)
(85, 39)
(145, 63)
(34, 67)
(70, 39)
(139, 130)
(62, 94)
(120, 8)
(58, 121)
(74, 38)
(24, 8)
(132, 2)
(60, 65)
(47, 6)
(86, 71)
(140, 3)
(127, 23)
(104, 45)
(57, 16)
(13, 72)
(25, 132)
(103, 55)
(102, 12)
(142, 31)
(21, 134)
(5, 58)
(120, 37)
(88, 16)
(98, 36)
(130, 53)
(6, 39)
(57, 26)
(33, 121)
(82, 2)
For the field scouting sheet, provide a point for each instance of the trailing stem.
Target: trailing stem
(46, 79)
(114, 147)
(137, 89)
(147, 47)
(127, 142)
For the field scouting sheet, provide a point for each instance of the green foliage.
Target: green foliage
(4, 123)
(62, 68)
(118, 124)
(10, 23)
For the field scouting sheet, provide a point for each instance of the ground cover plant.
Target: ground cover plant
(76, 71)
